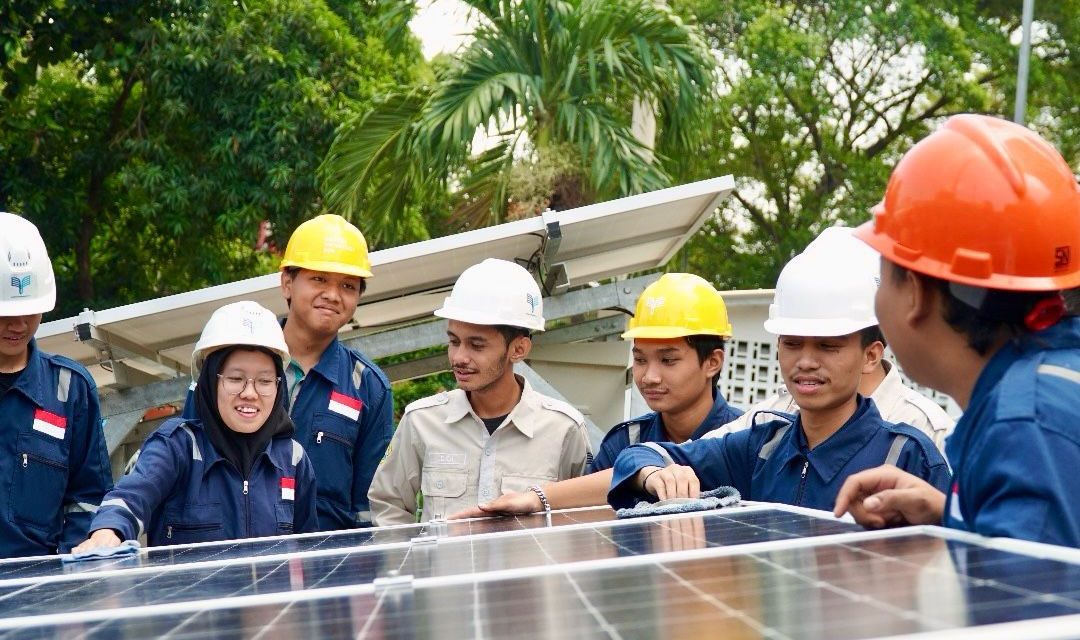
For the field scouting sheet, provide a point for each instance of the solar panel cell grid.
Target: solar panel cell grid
(801, 577)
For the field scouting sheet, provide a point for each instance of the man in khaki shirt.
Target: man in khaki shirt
(895, 401)
(493, 434)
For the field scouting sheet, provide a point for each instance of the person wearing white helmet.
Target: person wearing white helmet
(53, 459)
(234, 470)
(895, 401)
(801, 459)
(494, 433)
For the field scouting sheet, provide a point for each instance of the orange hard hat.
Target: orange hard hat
(982, 202)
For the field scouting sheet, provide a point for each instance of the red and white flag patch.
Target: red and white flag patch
(288, 488)
(50, 424)
(344, 405)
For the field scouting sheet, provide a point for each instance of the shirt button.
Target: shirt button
(439, 484)
(487, 452)
(485, 494)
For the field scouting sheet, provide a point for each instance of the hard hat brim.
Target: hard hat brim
(28, 307)
(327, 267)
(816, 327)
(472, 316)
(668, 333)
(886, 246)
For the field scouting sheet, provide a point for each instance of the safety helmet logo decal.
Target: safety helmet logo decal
(22, 284)
(533, 301)
(654, 303)
(250, 324)
(1062, 257)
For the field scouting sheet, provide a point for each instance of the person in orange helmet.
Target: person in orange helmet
(978, 234)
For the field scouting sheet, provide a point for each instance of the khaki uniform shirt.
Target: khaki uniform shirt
(895, 401)
(442, 449)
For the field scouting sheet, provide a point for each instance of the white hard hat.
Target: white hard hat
(828, 289)
(239, 323)
(495, 292)
(27, 284)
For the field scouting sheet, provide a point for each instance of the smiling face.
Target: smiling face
(246, 411)
(480, 356)
(823, 373)
(670, 376)
(15, 335)
(319, 301)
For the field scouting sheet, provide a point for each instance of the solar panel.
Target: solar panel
(757, 572)
(43, 566)
(126, 583)
(597, 241)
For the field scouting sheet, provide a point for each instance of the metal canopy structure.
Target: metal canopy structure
(139, 353)
(754, 571)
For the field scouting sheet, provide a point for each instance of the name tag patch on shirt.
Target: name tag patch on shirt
(288, 488)
(50, 424)
(344, 405)
(436, 459)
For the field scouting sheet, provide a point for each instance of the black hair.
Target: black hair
(292, 271)
(509, 333)
(704, 345)
(870, 335)
(1001, 312)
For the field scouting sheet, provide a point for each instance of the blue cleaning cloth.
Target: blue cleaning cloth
(717, 498)
(125, 548)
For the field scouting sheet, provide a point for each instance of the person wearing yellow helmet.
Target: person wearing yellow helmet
(340, 401)
(821, 312)
(679, 330)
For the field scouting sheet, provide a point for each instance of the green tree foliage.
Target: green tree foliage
(150, 158)
(549, 80)
(818, 99)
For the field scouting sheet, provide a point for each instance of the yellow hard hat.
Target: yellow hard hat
(328, 243)
(677, 305)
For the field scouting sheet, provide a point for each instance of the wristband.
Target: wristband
(543, 498)
(646, 480)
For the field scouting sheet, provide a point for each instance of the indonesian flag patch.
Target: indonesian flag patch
(288, 488)
(344, 405)
(50, 424)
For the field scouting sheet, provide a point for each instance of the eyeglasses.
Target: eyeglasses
(235, 385)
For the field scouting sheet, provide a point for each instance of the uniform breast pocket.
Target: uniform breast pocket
(333, 438)
(439, 486)
(518, 484)
(285, 517)
(194, 523)
(40, 481)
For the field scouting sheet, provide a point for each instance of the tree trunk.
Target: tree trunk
(95, 200)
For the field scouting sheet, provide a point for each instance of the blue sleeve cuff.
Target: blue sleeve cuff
(632, 460)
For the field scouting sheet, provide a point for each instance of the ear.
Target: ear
(519, 348)
(713, 363)
(286, 285)
(872, 356)
(921, 299)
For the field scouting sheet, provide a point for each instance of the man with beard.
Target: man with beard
(494, 433)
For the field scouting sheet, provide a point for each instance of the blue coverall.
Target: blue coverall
(53, 458)
(650, 428)
(182, 491)
(1017, 447)
(345, 450)
(771, 462)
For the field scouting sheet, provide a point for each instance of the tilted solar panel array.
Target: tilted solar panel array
(750, 572)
